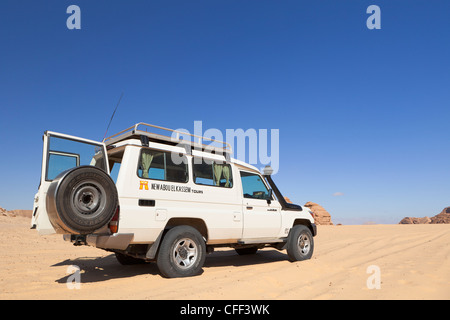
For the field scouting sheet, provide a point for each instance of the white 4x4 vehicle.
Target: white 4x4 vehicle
(148, 196)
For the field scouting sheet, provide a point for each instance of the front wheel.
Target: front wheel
(182, 253)
(300, 243)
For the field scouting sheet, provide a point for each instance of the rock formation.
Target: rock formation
(321, 216)
(412, 220)
(443, 217)
(15, 213)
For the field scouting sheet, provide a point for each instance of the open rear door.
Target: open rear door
(62, 152)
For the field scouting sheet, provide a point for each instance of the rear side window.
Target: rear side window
(210, 173)
(159, 165)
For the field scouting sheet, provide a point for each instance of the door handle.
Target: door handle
(249, 208)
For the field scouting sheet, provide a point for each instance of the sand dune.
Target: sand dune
(413, 260)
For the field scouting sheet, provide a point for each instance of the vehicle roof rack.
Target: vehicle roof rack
(188, 141)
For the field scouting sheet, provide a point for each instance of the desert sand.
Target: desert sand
(413, 260)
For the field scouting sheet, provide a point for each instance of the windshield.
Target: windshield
(64, 154)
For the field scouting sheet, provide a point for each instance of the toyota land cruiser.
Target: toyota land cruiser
(154, 197)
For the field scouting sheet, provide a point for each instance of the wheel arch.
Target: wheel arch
(196, 223)
(305, 222)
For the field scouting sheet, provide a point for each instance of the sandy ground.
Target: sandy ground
(413, 261)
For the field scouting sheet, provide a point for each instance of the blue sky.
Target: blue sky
(362, 113)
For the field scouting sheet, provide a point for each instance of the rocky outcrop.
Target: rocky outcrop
(410, 220)
(443, 217)
(16, 213)
(321, 216)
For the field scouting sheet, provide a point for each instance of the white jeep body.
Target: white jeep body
(149, 206)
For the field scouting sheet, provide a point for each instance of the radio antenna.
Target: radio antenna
(112, 116)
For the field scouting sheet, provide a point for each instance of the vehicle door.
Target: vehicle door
(262, 213)
(60, 153)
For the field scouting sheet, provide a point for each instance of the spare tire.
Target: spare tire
(81, 200)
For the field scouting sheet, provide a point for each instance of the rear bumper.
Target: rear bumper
(119, 241)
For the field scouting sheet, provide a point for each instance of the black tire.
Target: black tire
(81, 200)
(127, 260)
(245, 251)
(300, 244)
(182, 253)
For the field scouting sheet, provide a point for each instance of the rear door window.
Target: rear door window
(65, 153)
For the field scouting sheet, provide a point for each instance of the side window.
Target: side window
(212, 174)
(158, 165)
(253, 186)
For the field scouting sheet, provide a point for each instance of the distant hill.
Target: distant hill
(443, 217)
(16, 213)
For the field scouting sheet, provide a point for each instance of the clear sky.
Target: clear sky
(363, 114)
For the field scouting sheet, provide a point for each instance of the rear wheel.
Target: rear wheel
(182, 253)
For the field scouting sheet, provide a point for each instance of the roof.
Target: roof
(168, 136)
(175, 138)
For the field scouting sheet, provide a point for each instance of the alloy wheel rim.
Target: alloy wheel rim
(185, 253)
(304, 244)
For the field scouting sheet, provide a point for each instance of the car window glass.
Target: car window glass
(64, 154)
(253, 186)
(212, 173)
(159, 165)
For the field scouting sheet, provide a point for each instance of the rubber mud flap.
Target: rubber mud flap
(81, 200)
